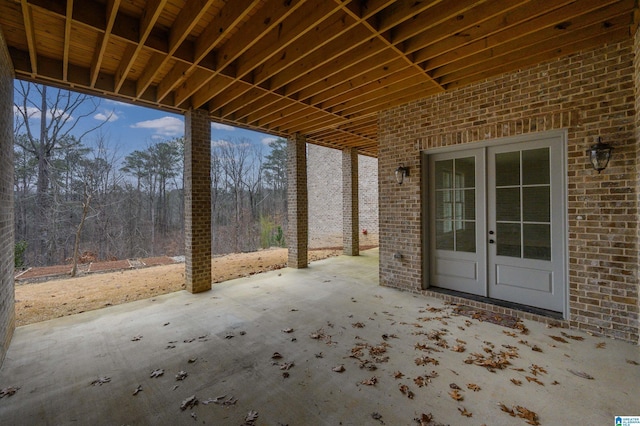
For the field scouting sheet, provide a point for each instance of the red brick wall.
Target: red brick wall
(7, 298)
(590, 94)
(636, 66)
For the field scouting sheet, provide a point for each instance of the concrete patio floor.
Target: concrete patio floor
(224, 340)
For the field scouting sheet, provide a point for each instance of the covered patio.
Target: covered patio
(403, 356)
(486, 110)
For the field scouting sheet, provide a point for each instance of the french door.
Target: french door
(497, 222)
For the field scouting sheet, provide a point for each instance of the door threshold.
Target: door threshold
(495, 302)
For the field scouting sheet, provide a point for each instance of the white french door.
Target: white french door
(497, 222)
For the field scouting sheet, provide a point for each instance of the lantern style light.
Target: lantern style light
(599, 155)
(401, 172)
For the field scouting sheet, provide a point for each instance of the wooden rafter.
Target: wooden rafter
(323, 68)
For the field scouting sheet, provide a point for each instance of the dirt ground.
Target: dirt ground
(40, 301)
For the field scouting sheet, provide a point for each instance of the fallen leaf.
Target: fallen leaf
(404, 389)
(287, 330)
(194, 416)
(251, 418)
(338, 369)
(357, 325)
(533, 379)
(559, 339)
(555, 382)
(632, 362)
(530, 416)
(458, 348)
(100, 380)
(455, 394)
(516, 382)
(581, 374)
(464, 412)
(454, 386)
(473, 387)
(507, 409)
(286, 365)
(190, 402)
(601, 345)
(398, 375)
(377, 416)
(370, 382)
(9, 391)
(579, 338)
(157, 373)
(285, 375)
(276, 355)
(181, 375)
(138, 390)
(136, 338)
(192, 360)
(424, 360)
(424, 419)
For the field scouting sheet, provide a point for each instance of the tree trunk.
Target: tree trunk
(76, 246)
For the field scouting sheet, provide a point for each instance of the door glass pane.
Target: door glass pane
(444, 235)
(537, 241)
(444, 205)
(466, 237)
(466, 199)
(508, 239)
(536, 204)
(508, 204)
(535, 166)
(444, 174)
(465, 172)
(508, 168)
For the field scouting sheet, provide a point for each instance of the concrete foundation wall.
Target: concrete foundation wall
(589, 94)
(7, 293)
(325, 197)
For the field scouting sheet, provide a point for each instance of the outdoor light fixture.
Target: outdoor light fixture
(599, 155)
(401, 172)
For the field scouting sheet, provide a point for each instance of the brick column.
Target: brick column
(297, 202)
(350, 225)
(197, 201)
(7, 298)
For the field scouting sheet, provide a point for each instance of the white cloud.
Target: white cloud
(266, 141)
(220, 126)
(110, 116)
(165, 126)
(219, 143)
(34, 113)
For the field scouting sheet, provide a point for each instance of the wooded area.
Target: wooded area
(77, 187)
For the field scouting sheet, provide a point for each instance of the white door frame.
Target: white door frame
(562, 222)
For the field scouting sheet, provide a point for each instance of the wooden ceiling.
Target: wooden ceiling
(322, 68)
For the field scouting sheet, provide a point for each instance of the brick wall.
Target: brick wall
(636, 66)
(297, 203)
(325, 197)
(7, 298)
(589, 94)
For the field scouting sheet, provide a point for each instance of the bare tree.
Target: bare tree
(48, 117)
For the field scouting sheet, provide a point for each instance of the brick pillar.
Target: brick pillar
(350, 225)
(197, 201)
(297, 202)
(636, 74)
(7, 298)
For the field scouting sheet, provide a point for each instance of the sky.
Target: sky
(129, 127)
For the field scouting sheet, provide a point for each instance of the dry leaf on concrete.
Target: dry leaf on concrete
(251, 418)
(464, 412)
(9, 391)
(157, 373)
(190, 402)
(100, 380)
(455, 394)
(473, 387)
(370, 382)
(581, 374)
(338, 369)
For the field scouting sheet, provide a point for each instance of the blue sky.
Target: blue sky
(129, 127)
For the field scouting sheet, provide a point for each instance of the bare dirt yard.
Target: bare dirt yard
(40, 301)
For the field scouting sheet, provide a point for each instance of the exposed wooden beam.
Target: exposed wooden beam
(185, 22)
(67, 39)
(27, 16)
(149, 17)
(103, 39)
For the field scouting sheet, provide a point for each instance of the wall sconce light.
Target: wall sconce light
(401, 172)
(599, 155)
